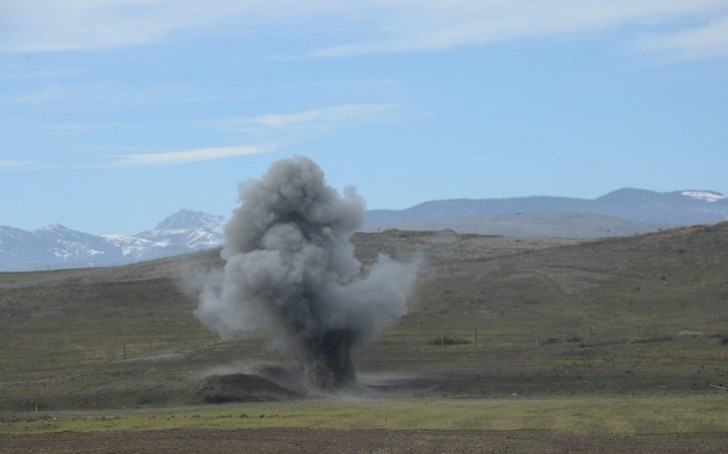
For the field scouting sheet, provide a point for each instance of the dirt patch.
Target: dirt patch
(331, 441)
(218, 389)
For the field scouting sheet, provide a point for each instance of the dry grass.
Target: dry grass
(581, 415)
(556, 319)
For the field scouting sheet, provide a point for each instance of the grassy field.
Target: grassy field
(624, 335)
(579, 415)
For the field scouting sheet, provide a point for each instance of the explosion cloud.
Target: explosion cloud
(290, 268)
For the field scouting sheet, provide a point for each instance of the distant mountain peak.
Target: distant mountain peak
(190, 219)
(628, 193)
(54, 228)
(56, 246)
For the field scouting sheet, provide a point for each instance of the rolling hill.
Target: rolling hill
(625, 211)
(492, 315)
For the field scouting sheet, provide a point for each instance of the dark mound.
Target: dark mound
(218, 389)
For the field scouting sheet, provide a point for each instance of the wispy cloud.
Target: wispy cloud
(366, 27)
(706, 41)
(83, 97)
(432, 25)
(49, 25)
(10, 165)
(187, 156)
(326, 118)
(42, 74)
(90, 126)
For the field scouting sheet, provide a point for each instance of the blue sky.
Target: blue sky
(116, 113)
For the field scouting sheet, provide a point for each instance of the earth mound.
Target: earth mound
(241, 387)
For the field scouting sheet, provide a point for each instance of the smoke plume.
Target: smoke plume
(290, 268)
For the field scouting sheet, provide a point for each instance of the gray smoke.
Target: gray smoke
(290, 268)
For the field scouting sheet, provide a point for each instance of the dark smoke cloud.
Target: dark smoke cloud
(290, 267)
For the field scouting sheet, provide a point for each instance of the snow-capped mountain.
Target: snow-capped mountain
(623, 212)
(184, 231)
(56, 246)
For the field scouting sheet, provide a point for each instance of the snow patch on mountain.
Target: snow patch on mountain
(186, 229)
(708, 196)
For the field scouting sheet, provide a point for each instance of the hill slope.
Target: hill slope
(630, 315)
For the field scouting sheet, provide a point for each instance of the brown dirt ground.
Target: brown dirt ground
(275, 440)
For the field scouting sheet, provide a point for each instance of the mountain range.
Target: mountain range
(55, 246)
(622, 212)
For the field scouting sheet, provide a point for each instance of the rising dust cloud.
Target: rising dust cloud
(290, 268)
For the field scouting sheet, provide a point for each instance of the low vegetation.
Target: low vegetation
(503, 333)
(579, 415)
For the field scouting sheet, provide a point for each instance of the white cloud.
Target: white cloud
(79, 97)
(187, 156)
(48, 25)
(84, 127)
(7, 165)
(351, 28)
(42, 74)
(318, 119)
(435, 25)
(64, 25)
(707, 41)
